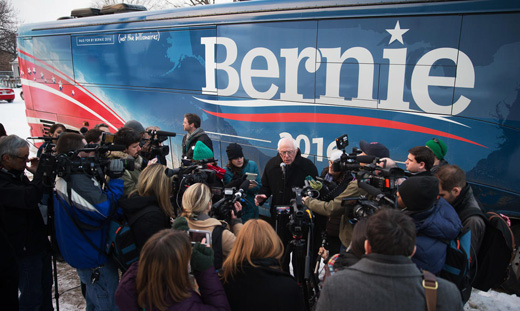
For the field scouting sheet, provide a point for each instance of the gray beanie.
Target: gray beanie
(134, 125)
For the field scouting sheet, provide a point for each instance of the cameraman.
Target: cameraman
(54, 131)
(334, 183)
(131, 139)
(83, 211)
(333, 207)
(22, 231)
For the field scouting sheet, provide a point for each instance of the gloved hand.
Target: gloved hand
(116, 168)
(201, 257)
(180, 223)
(316, 185)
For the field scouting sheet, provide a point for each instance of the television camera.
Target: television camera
(191, 173)
(373, 176)
(224, 208)
(154, 145)
(301, 225)
(63, 165)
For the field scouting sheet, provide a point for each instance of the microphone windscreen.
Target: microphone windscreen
(368, 188)
(116, 147)
(165, 133)
(244, 185)
(365, 159)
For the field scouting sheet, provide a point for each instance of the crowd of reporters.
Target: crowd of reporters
(247, 265)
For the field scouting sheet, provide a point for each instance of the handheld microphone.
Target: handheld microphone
(283, 166)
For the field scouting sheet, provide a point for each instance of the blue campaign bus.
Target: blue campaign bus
(397, 72)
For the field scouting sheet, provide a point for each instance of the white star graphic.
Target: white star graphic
(397, 33)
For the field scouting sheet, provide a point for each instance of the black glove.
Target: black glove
(180, 223)
(201, 257)
(116, 168)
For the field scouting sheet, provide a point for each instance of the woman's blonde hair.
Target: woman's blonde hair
(256, 239)
(154, 182)
(163, 270)
(195, 200)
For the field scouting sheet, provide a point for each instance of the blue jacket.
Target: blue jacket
(249, 209)
(435, 227)
(92, 207)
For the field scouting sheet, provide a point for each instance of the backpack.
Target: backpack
(121, 241)
(216, 245)
(457, 265)
(495, 254)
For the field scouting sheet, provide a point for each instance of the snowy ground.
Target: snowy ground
(12, 116)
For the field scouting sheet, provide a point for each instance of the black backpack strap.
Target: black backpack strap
(131, 220)
(430, 285)
(216, 245)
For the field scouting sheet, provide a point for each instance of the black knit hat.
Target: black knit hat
(234, 151)
(419, 193)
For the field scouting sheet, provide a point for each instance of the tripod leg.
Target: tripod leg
(54, 247)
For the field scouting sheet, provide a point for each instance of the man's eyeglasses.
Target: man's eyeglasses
(286, 153)
(26, 157)
(435, 140)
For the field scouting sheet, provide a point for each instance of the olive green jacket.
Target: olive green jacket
(334, 208)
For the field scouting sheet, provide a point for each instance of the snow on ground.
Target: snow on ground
(12, 116)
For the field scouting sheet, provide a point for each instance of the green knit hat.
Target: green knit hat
(438, 147)
(202, 152)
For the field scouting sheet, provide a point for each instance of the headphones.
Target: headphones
(435, 140)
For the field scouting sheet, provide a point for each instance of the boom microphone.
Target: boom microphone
(162, 133)
(365, 159)
(244, 185)
(46, 138)
(116, 147)
(369, 188)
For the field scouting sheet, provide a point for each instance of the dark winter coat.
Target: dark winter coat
(212, 295)
(20, 214)
(263, 288)
(472, 217)
(153, 221)
(273, 181)
(383, 282)
(188, 144)
(435, 168)
(92, 207)
(249, 209)
(435, 227)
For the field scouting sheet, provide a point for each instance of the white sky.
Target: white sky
(32, 11)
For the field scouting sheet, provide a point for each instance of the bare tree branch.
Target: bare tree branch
(7, 28)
